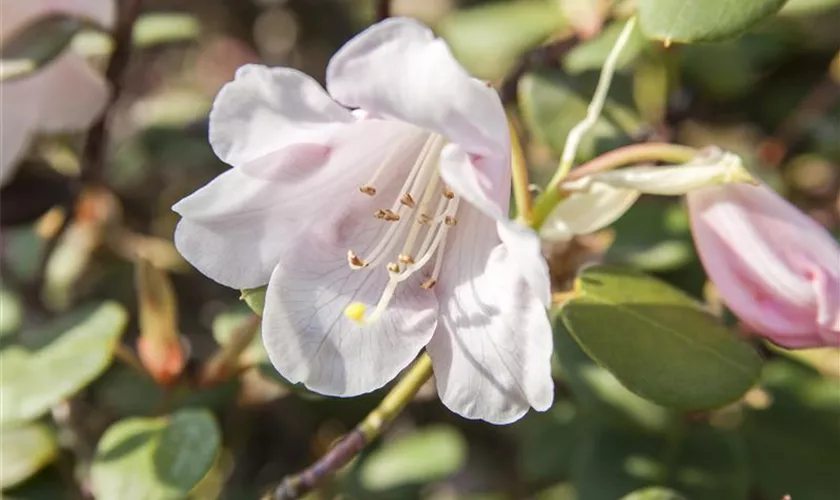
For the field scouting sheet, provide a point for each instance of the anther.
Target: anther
(386, 214)
(424, 218)
(407, 200)
(406, 259)
(428, 284)
(367, 189)
(450, 221)
(447, 193)
(393, 267)
(354, 260)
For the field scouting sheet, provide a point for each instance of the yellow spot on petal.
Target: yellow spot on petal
(356, 312)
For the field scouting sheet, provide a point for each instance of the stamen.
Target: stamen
(407, 200)
(354, 260)
(387, 215)
(393, 267)
(450, 221)
(424, 218)
(406, 259)
(447, 193)
(368, 189)
(428, 284)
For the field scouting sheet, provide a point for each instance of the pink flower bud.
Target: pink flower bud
(774, 267)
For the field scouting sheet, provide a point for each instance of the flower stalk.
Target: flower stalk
(545, 203)
(621, 157)
(519, 175)
(352, 443)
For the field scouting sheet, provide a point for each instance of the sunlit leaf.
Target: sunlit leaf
(26, 449)
(657, 341)
(58, 360)
(654, 493)
(692, 20)
(426, 455)
(11, 311)
(166, 457)
(36, 45)
(488, 39)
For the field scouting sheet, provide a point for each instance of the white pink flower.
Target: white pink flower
(380, 231)
(774, 267)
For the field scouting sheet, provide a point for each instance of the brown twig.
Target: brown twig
(383, 9)
(94, 151)
(93, 154)
(547, 55)
(351, 444)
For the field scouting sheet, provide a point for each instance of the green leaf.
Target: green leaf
(793, 442)
(591, 54)
(255, 298)
(600, 396)
(26, 449)
(427, 455)
(653, 237)
(654, 493)
(11, 311)
(552, 103)
(165, 457)
(692, 20)
(58, 360)
(36, 45)
(489, 39)
(658, 341)
(226, 323)
(45, 485)
(700, 461)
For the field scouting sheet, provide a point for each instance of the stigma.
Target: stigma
(419, 220)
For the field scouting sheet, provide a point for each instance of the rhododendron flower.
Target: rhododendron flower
(65, 95)
(380, 231)
(774, 267)
(596, 201)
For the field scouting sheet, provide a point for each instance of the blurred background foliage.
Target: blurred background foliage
(90, 408)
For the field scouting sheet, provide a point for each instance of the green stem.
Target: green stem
(593, 111)
(354, 442)
(628, 155)
(519, 175)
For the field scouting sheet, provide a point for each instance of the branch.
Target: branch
(351, 444)
(383, 9)
(94, 151)
(544, 56)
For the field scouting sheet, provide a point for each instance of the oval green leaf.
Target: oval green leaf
(654, 493)
(26, 450)
(36, 45)
(58, 360)
(489, 39)
(165, 457)
(427, 455)
(657, 341)
(693, 20)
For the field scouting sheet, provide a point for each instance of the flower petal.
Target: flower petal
(236, 228)
(676, 179)
(310, 340)
(593, 207)
(769, 261)
(492, 348)
(398, 69)
(264, 109)
(71, 95)
(484, 182)
(17, 125)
